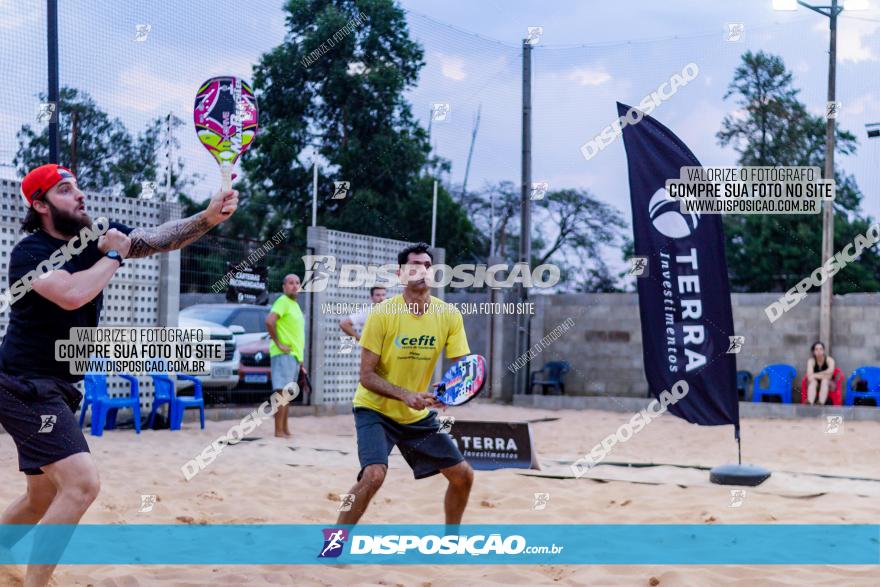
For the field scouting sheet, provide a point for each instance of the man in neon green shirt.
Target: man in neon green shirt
(287, 328)
(402, 341)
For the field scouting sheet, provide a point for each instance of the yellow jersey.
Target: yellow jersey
(409, 347)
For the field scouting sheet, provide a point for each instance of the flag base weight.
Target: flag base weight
(750, 475)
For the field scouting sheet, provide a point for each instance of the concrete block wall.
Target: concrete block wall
(855, 336)
(604, 345)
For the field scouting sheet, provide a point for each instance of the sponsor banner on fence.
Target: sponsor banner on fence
(248, 286)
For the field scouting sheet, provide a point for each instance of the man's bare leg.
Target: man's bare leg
(30, 507)
(26, 511)
(281, 419)
(363, 491)
(77, 485)
(286, 421)
(461, 478)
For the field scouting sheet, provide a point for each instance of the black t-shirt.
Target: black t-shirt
(35, 323)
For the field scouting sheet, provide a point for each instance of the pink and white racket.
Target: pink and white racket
(225, 117)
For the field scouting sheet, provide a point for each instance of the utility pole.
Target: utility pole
(74, 119)
(434, 217)
(827, 290)
(492, 224)
(315, 192)
(168, 165)
(52, 44)
(832, 12)
(467, 167)
(496, 368)
(523, 322)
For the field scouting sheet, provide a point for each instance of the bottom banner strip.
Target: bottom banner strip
(666, 544)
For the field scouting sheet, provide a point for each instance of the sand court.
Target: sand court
(265, 480)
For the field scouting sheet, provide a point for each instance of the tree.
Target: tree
(773, 128)
(107, 157)
(101, 144)
(570, 229)
(334, 92)
(504, 197)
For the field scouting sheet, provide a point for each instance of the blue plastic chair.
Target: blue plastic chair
(743, 379)
(90, 390)
(555, 372)
(780, 378)
(196, 401)
(871, 375)
(165, 393)
(104, 407)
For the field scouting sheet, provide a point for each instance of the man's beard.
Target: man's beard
(68, 224)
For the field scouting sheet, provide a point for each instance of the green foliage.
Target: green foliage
(773, 128)
(108, 157)
(346, 109)
(569, 227)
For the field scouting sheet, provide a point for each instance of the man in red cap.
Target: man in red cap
(37, 396)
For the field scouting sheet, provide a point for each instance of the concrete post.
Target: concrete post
(496, 340)
(317, 245)
(169, 273)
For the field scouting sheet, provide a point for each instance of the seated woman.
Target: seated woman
(820, 368)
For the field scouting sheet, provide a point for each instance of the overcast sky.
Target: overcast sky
(590, 55)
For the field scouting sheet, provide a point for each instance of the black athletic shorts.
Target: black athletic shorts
(425, 449)
(38, 413)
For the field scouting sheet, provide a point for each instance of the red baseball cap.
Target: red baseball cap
(41, 180)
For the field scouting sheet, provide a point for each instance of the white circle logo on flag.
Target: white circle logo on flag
(667, 218)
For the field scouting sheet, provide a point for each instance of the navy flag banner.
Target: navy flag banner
(684, 293)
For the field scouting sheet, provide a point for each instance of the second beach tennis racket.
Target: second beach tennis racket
(462, 381)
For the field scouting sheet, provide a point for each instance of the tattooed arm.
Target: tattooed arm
(170, 236)
(176, 234)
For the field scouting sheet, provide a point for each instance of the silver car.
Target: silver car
(224, 374)
(246, 321)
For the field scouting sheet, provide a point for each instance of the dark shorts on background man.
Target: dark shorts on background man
(38, 413)
(425, 449)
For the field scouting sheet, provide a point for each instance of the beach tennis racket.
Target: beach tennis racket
(225, 116)
(463, 381)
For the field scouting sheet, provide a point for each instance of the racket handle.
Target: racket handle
(225, 177)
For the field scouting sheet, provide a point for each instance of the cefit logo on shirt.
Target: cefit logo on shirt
(409, 342)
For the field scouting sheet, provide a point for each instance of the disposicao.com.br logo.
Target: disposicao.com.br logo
(322, 271)
(430, 544)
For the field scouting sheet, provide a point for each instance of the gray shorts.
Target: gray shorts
(285, 368)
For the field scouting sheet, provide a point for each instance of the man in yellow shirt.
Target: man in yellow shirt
(401, 343)
(287, 329)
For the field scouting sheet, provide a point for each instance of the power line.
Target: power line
(601, 44)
